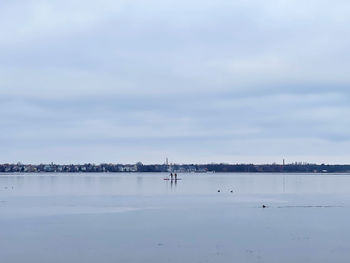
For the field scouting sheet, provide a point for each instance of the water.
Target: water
(142, 218)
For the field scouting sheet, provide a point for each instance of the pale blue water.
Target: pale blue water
(142, 218)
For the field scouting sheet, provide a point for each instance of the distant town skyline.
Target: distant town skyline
(196, 81)
(175, 168)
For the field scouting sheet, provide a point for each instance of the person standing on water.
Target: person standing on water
(175, 176)
(171, 176)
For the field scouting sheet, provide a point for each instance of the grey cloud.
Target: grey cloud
(198, 80)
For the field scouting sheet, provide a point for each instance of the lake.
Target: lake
(139, 217)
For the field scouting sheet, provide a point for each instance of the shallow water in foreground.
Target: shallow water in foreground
(142, 218)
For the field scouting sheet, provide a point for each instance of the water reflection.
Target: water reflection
(126, 184)
(124, 218)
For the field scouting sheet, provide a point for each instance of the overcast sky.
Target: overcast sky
(195, 81)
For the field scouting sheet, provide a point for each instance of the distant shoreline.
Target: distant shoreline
(179, 168)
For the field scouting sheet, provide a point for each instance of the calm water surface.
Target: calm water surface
(142, 218)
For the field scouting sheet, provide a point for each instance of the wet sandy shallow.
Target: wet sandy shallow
(142, 218)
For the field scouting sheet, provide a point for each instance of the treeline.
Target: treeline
(187, 168)
(276, 168)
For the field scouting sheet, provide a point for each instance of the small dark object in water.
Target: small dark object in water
(264, 206)
(231, 191)
(218, 191)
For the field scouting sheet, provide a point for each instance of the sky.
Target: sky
(196, 81)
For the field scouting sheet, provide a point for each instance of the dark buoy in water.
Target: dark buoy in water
(231, 191)
(218, 191)
(264, 206)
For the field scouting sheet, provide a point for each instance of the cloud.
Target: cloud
(195, 80)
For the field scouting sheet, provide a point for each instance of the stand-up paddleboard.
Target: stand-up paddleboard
(168, 179)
